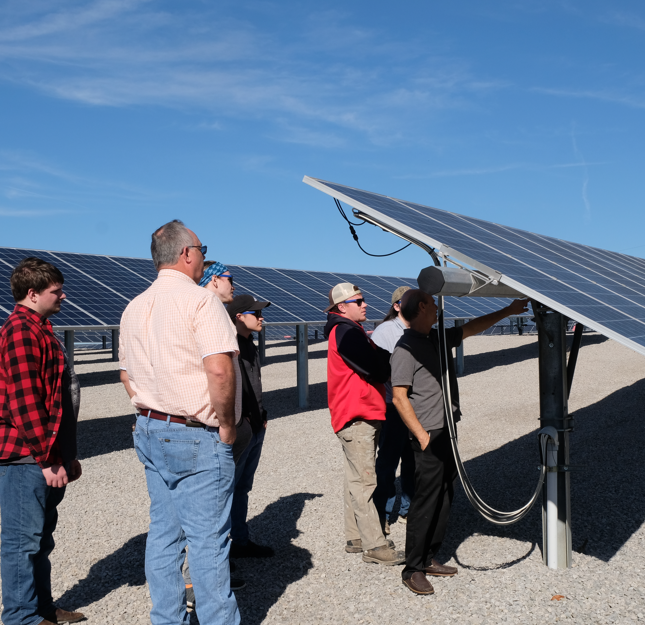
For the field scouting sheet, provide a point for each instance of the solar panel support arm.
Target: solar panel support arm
(556, 494)
(302, 360)
(573, 355)
(69, 346)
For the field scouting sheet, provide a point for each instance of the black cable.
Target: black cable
(351, 229)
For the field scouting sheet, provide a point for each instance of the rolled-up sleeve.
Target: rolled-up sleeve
(403, 367)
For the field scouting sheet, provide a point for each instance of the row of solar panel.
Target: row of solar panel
(99, 288)
(605, 290)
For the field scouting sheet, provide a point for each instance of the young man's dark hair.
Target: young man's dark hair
(410, 304)
(33, 273)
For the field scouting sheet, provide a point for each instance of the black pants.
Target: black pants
(435, 473)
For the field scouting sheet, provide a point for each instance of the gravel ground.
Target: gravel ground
(296, 504)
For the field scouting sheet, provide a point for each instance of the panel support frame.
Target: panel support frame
(302, 364)
(69, 346)
(556, 497)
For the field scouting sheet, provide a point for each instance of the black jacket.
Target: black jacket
(249, 360)
(357, 350)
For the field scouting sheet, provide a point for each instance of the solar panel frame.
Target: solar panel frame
(568, 277)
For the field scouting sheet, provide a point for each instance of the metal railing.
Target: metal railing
(301, 338)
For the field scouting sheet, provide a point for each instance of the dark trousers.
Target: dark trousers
(435, 474)
(393, 445)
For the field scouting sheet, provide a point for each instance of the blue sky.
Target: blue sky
(118, 115)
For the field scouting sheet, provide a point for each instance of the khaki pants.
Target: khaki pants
(359, 440)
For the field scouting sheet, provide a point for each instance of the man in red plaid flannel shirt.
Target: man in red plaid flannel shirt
(37, 444)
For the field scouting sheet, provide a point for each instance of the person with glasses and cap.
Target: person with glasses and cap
(246, 313)
(394, 440)
(356, 372)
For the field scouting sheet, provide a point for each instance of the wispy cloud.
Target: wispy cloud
(130, 52)
(27, 213)
(585, 170)
(32, 187)
(497, 169)
(616, 97)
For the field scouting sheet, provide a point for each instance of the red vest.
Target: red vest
(349, 395)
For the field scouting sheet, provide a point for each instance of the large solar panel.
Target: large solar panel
(99, 288)
(603, 290)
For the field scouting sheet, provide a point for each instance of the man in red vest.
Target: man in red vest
(356, 372)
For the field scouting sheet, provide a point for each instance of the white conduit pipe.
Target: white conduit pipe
(545, 435)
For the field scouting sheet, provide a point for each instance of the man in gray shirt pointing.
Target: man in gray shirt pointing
(418, 397)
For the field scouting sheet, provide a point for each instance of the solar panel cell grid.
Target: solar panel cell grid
(604, 289)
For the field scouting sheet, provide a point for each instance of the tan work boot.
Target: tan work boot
(384, 555)
(356, 546)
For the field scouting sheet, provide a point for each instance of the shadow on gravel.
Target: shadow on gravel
(272, 360)
(476, 363)
(124, 567)
(268, 578)
(607, 490)
(98, 378)
(284, 402)
(103, 436)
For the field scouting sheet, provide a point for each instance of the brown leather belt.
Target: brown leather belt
(160, 416)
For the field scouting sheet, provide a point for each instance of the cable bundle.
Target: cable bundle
(496, 517)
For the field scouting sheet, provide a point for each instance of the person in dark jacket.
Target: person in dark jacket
(246, 314)
(356, 372)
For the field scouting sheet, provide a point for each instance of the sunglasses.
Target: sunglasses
(228, 278)
(256, 313)
(202, 248)
(359, 302)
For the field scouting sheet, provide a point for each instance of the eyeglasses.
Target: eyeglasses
(228, 278)
(257, 313)
(202, 248)
(359, 302)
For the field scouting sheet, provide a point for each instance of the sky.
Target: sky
(117, 116)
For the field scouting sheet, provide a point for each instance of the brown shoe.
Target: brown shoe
(356, 546)
(419, 584)
(384, 555)
(440, 570)
(46, 623)
(63, 616)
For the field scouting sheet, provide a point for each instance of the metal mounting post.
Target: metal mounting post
(460, 350)
(115, 346)
(302, 358)
(262, 345)
(556, 501)
(69, 346)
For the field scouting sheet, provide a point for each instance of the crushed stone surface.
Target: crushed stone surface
(296, 502)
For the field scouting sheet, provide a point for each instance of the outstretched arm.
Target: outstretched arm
(516, 307)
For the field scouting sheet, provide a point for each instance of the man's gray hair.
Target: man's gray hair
(168, 243)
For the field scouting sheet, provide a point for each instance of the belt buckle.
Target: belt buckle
(193, 424)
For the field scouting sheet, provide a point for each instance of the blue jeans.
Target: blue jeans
(29, 516)
(244, 473)
(394, 445)
(190, 474)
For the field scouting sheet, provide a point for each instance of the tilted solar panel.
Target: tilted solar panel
(604, 290)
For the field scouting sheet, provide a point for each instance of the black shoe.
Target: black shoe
(251, 550)
(237, 583)
(232, 565)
